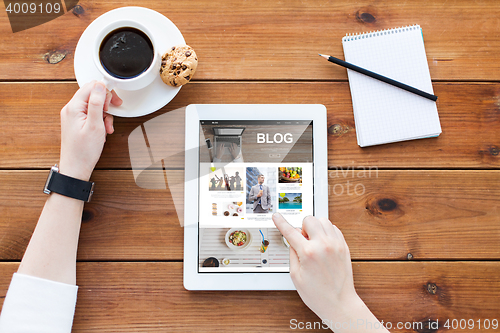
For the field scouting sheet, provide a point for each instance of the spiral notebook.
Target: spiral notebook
(384, 113)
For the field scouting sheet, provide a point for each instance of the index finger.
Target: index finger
(292, 235)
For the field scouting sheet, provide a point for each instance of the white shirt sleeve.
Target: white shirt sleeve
(38, 305)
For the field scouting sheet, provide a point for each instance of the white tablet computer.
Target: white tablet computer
(244, 163)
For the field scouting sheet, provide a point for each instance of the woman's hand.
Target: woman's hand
(320, 267)
(84, 126)
(220, 150)
(234, 150)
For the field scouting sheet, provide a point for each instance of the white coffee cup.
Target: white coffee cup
(135, 83)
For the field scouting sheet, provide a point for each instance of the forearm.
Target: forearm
(51, 252)
(354, 317)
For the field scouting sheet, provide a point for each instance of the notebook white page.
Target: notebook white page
(384, 113)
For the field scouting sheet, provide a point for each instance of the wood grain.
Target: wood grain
(150, 297)
(396, 222)
(469, 114)
(384, 215)
(267, 40)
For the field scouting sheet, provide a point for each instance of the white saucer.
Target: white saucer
(139, 102)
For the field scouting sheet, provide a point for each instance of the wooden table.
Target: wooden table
(424, 234)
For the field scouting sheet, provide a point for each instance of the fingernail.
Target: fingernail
(99, 88)
(276, 216)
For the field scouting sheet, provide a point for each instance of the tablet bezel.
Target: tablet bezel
(193, 280)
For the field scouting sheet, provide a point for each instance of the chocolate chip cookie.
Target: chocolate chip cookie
(178, 65)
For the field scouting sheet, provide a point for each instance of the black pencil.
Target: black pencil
(380, 77)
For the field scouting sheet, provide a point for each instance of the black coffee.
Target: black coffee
(126, 53)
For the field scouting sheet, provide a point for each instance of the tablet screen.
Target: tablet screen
(248, 170)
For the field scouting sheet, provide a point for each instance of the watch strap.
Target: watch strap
(70, 187)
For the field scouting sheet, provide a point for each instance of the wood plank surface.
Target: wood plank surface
(384, 215)
(440, 201)
(469, 114)
(150, 297)
(273, 40)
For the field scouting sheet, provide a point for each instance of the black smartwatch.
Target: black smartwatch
(68, 186)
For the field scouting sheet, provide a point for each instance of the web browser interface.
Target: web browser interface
(249, 170)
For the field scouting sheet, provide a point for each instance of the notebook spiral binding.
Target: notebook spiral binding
(365, 35)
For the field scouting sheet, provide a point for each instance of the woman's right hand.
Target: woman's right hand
(321, 270)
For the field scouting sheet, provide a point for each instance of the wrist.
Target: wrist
(345, 313)
(74, 170)
(354, 316)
